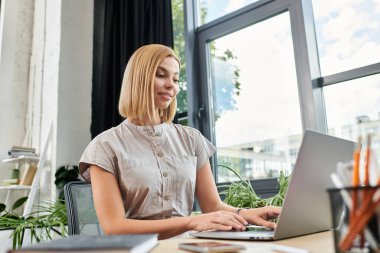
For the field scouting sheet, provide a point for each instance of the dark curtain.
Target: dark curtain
(120, 27)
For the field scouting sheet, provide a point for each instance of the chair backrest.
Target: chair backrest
(81, 215)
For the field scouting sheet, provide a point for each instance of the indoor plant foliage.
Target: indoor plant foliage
(64, 174)
(241, 193)
(48, 219)
(51, 216)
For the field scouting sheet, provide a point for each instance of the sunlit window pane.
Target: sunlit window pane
(353, 109)
(179, 48)
(256, 107)
(348, 34)
(210, 10)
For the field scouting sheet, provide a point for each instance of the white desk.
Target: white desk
(314, 243)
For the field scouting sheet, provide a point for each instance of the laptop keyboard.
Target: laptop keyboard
(257, 228)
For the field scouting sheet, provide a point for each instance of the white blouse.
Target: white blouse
(155, 166)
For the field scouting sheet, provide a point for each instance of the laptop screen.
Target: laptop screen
(306, 207)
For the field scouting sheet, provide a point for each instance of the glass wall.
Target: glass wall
(348, 35)
(353, 110)
(256, 112)
(210, 10)
(264, 71)
(179, 48)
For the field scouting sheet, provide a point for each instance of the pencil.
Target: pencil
(355, 177)
(367, 160)
(367, 194)
(355, 183)
(358, 225)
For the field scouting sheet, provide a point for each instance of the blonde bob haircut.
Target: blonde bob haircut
(137, 91)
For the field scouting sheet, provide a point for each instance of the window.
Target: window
(210, 10)
(353, 104)
(353, 109)
(252, 124)
(179, 48)
(349, 49)
(248, 87)
(265, 71)
(348, 34)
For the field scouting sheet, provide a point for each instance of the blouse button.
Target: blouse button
(158, 134)
(165, 174)
(166, 197)
(160, 154)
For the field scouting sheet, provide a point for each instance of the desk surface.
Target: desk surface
(314, 243)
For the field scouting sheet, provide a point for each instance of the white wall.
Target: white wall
(16, 26)
(57, 89)
(75, 80)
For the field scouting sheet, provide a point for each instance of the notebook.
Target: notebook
(132, 243)
(306, 208)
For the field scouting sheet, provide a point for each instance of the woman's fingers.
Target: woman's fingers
(273, 211)
(265, 223)
(240, 219)
(262, 216)
(228, 218)
(234, 217)
(217, 220)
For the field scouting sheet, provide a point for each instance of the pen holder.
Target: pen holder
(355, 217)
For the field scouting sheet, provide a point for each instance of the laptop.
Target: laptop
(306, 208)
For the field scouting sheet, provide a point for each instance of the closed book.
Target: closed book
(11, 181)
(16, 154)
(20, 148)
(140, 243)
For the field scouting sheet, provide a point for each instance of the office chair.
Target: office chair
(81, 215)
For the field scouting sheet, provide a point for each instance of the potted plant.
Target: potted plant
(64, 174)
(241, 193)
(48, 220)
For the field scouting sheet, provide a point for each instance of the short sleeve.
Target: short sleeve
(99, 153)
(204, 149)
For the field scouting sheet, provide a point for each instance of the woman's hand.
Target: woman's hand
(261, 216)
(220, 220)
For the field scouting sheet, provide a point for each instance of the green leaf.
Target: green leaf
(19, 203)
(54, 215)
(241, 193)
(65, 174)
(2, 207)
(72, 174)
(60, 183)
(61, 171)
(14, 241)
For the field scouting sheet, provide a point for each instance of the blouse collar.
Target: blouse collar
(155, 128)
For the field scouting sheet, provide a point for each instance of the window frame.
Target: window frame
(312, 110)
(356, 73)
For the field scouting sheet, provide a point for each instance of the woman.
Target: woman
(146, 171)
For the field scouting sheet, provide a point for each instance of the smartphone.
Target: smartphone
(211, 247)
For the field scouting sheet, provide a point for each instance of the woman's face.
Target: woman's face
(166, 82)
